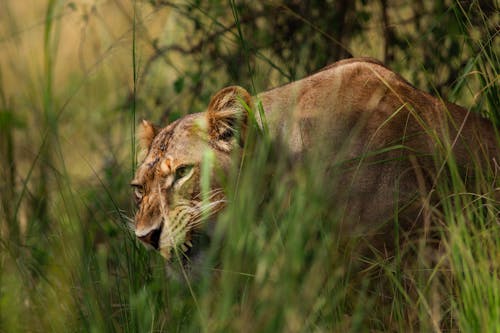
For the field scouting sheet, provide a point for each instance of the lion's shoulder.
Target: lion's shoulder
(359, 60)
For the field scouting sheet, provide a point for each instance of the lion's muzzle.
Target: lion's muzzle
(152, 237)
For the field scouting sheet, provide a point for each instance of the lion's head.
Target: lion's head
(171, 199)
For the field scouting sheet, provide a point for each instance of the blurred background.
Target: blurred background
(76, 77)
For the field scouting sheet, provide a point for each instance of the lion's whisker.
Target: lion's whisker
(129, 222)
(211, 194)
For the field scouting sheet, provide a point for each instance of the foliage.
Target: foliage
(76, 76)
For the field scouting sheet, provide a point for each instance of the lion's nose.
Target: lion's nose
(152, 237)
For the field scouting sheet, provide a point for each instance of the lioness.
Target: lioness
(356, 113)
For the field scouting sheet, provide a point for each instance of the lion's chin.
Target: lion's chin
(183, 253)
(166, 252)
(188, 261)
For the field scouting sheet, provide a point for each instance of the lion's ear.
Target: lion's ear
(146, 134)
(227, 113)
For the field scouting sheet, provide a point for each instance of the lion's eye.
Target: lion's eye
(138, 193)
(182, 171)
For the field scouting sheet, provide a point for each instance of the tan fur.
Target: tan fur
(341, 114)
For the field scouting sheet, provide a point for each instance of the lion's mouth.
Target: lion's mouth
(198, 244)
(190, 251)
(155, 237)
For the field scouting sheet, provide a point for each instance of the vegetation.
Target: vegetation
(77, 76)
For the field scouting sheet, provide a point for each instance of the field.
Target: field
(76, 78)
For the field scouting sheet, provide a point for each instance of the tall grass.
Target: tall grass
(69, 262)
